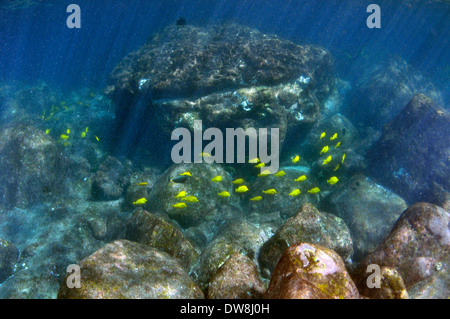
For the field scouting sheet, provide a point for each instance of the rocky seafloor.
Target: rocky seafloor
(74, 166)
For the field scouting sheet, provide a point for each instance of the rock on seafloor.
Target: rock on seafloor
(412, 155)
(32, 167)
(308, 225)
(155, 231)
(308, 271)
(369, 210)
(237, 278)
(125, 269)
(9, 255)
(418, 247)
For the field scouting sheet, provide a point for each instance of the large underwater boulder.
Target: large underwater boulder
(226, 76)
(124, 269)
(418, 248)
(412, 157)
(309, 271)
(32, 168)
(383, 91)
(369, 210)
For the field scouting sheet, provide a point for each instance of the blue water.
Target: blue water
(36, 44)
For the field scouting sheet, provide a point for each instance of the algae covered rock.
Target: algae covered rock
(412, 155)
(149, 229)
(308, 271)
(32, 169)
(237, 278)
(9, 255)
(308, 226)
(418, 248)
(111, 180)
(202, 202)
(391, 285)
(369, 210)
(124, 269)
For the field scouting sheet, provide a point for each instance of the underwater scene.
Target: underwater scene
(229, 149)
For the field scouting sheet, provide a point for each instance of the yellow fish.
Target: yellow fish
(314, 190)
(181, 194)
(47, 131)
(179, 205)
(259, 165)
(205, 154)
(336, 168)
(64, 137)
(343, 158)
(98, 140)
(142, 184)
(190, 199)
(68, 131)
(256, 198)
(324, 149)
(254, 160)
(327, 160)
(241, 189)
(280, 173)
(218, 178)
(337, 145)
(271, 191)
(224, 194)
(300, 178)
(186, 174)
(333, 137)
(238, 181)
(322, 135)
(295, 193)
(87, 129)
(264, 173)
(295, 159)
(333, 180)
(83, 134)
(140, 201)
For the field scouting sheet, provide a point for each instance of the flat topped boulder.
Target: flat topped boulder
(183, 61)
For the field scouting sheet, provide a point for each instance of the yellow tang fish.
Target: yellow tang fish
(280, 173)
(333, 180)
(64, 137)
(241, 189)
(186, 174)
(68, 131)
(337, 145)
(181, 194)
(300, 178)
(322, 135)
(142, 184)
(218, 178)
(327, 160)
(259, 165)
(314, 190)
(295, 159)
(98, 140)
(179, 205)
(140, 201)
(333, 137)
(254, 160)
(336, 168)
(324, 149)
(224, 194)
(264, 173)
(343, 158)
(83, 134)
(205, 154)
(271, 191)
(190, 199)
(238, 181)
(256, 198)
(87, 129)
(47, 131)
(295, 193)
